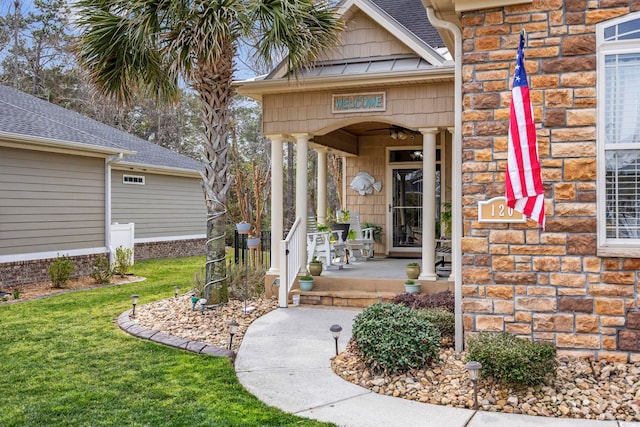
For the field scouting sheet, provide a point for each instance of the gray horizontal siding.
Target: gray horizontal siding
(50, 202)
(165, 206)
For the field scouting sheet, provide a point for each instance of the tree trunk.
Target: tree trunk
(213, 84)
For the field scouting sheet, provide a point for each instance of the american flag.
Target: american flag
(524, 189)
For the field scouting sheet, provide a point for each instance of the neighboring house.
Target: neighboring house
(576, 283)
(64, 178)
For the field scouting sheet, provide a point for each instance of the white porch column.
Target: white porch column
(277, 201)
(302, 169)
(428, 269)
(322, 185)
(456, 232)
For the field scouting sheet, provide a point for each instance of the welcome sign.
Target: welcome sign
(359, 102)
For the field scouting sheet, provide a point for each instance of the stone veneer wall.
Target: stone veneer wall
(547, 286)
(23, 272)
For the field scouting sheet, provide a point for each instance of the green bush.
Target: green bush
(101, 271)
(61, 270)
(122, 263)
(512, 360)
(394, 338)
(443, 320)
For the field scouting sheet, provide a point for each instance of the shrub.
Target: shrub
(16, 294)
(243, 282)
(443, 300)
(123, 263)
(61, 270)
(101, 271)
(513, 360)
(394, 338)
(441, 319)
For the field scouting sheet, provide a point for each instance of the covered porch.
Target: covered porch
(384, 102)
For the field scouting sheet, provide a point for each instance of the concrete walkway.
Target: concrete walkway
(285, 360)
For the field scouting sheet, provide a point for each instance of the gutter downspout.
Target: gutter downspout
(456, 173)
(107, 202)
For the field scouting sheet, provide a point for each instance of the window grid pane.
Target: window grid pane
(623, 194)
(622, 99)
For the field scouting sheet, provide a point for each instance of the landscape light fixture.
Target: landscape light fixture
(176, 289)
(335, 331)
(474, 370)
(233, 328)
(203, 301)
(134, 301)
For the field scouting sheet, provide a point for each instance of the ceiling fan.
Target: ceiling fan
(397, 132)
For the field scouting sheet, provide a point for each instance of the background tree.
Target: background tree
(152, 45)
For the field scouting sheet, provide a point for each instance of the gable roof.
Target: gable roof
(406, 19)
(412, 15)
(26, 116)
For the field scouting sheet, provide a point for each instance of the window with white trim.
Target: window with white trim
(133, 179)
(619, 133)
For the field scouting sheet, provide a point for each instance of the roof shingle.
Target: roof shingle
(27, 115)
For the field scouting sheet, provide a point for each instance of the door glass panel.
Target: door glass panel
(406, 207)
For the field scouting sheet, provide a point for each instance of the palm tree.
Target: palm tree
(153, 45)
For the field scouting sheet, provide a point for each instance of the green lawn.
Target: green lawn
(64, 362)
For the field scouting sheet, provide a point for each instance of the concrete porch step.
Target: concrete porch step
(343, 298)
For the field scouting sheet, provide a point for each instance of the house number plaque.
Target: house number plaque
(496, 210)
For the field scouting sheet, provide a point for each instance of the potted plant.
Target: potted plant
(306, 283)
(411, 287)
(315, 266)
(413, 270)
(253, 242)
(243, 227)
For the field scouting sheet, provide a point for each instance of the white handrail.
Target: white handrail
(289, 263)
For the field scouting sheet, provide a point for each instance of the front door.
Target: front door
(405, 200)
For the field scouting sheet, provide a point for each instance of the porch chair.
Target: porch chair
(361, 247)
(327, 246)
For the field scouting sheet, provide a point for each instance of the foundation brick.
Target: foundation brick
(546, 263)
(523, 316)
(604, 290)
(612, 321)
(552, 322)
(501, 292)
(507, 236)
(515, 278)
(622, 278)
(633, 320)
(475, 245)
(578, 341)
(610, 306)
(579, 45)
(576, 305)
(568, 280)
(489, 323)
(582, 244)
(503, 307)
(476, 305)
(609, 343)
(536, 304)
(598, 15)
(467, 322)
(586, 323)
(592, 264)
(629, 340)
(631, 264)
(541, 291)
(518, 328)
(502, 263)
(471, 275)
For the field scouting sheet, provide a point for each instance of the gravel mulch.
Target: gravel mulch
(581, 389)
(175, 317)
